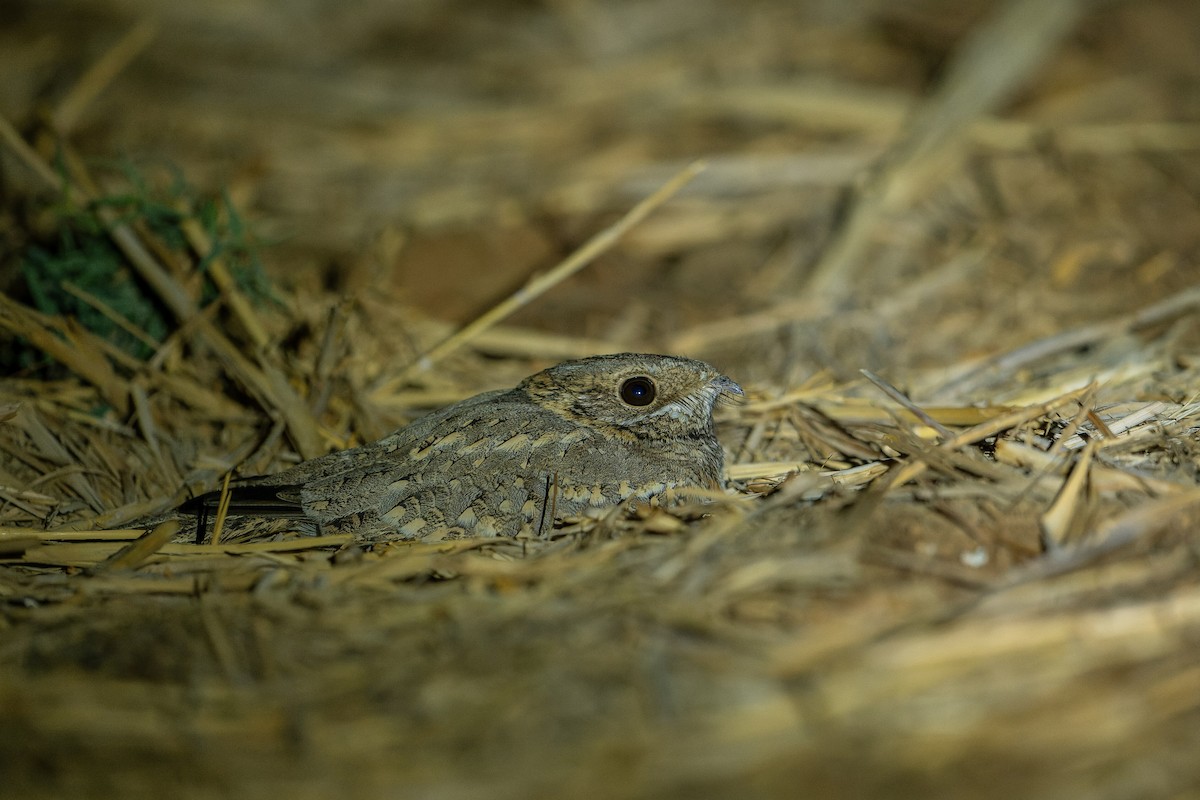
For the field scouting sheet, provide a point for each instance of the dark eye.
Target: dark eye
(638, 391)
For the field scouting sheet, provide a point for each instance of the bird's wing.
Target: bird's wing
(279, 495)
(484, 471)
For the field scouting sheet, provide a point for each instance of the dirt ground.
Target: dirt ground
(950, 249)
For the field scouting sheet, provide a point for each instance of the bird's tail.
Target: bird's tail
(247, 499)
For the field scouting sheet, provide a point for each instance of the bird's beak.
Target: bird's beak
(726, 388)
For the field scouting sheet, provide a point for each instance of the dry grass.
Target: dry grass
(969, 569)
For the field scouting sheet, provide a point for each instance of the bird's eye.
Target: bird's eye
(639, 391)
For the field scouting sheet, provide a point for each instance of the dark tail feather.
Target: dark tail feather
(259, 501)
(249, 501)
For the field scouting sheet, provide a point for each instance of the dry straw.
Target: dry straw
(965, 574)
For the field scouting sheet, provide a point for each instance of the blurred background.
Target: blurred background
(439, 153)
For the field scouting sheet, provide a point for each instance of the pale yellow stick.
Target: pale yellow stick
(539, 284)
(101, 73)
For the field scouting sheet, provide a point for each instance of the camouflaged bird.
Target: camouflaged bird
(581, 435)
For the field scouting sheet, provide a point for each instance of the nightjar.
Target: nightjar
(581, 435)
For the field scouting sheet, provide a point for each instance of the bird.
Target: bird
(580, 436)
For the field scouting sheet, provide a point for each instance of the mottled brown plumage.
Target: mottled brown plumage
(580, 435)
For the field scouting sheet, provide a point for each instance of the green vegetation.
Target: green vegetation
(78, 271)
